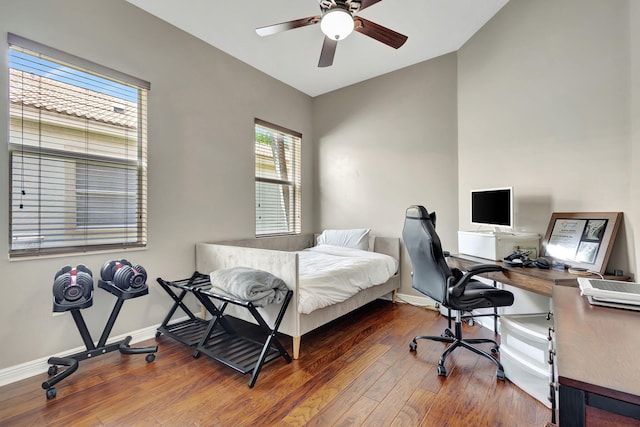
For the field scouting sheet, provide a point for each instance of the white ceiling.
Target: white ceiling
(434, 28)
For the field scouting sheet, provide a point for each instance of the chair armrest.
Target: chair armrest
(457, 289)
(483, 268)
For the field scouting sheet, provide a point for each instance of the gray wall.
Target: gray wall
(385, 144)
(634, 208)
(544, 95)
(201, 110)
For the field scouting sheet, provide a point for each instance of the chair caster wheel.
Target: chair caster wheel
(51, 393)
(150, 357)
(442, 371)
(413, 346)
(158, 334)
(494, 349)
(447, 333)
(53, 369)
(500, 375)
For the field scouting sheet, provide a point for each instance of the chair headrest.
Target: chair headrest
(420, 212)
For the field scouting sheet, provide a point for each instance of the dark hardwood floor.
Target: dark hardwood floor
(356, 371)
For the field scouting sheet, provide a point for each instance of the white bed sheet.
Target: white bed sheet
(331, 274)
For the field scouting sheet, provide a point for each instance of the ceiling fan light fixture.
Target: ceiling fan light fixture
(337, 23)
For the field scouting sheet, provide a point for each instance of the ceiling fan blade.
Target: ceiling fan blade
(366, 3)
(289, 25)
(380, 33)
(328, 52)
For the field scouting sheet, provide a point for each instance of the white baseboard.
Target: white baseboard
(35, 367)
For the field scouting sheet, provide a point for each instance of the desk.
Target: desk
(531, 279)
(598, 350)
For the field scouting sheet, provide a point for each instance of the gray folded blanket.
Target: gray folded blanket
(248, 284)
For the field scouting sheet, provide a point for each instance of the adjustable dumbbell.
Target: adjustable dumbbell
(109, 269)
(71, 284)
(133, 276)
(123, 274)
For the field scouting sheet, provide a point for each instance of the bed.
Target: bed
(281, 256)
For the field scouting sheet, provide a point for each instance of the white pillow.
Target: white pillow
(357, 238)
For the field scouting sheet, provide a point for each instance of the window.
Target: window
(277, 153)
(78, 153)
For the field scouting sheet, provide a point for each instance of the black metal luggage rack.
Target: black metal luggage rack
(94, 350)
(220, 341)
(191, 330)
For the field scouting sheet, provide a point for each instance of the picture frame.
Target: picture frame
(582, 240)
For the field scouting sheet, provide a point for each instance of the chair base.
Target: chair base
(455, 340)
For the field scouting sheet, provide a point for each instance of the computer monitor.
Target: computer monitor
(492, 207)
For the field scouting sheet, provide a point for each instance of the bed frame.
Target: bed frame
(277, 255)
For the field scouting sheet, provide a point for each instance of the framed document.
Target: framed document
(582, 239)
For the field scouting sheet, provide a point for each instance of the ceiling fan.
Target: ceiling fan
(337, 21)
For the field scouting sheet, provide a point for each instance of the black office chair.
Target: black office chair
(451, 288)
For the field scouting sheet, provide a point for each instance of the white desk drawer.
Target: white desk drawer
(526, 336)
(527, 376)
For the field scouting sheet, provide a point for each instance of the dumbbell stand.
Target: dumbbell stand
(102, 347)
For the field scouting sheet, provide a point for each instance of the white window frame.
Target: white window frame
(278, 179)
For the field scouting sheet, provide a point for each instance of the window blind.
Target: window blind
(78, 153)
(277, 170)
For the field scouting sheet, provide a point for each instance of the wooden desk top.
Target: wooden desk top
(597, 348)
(532, 279)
